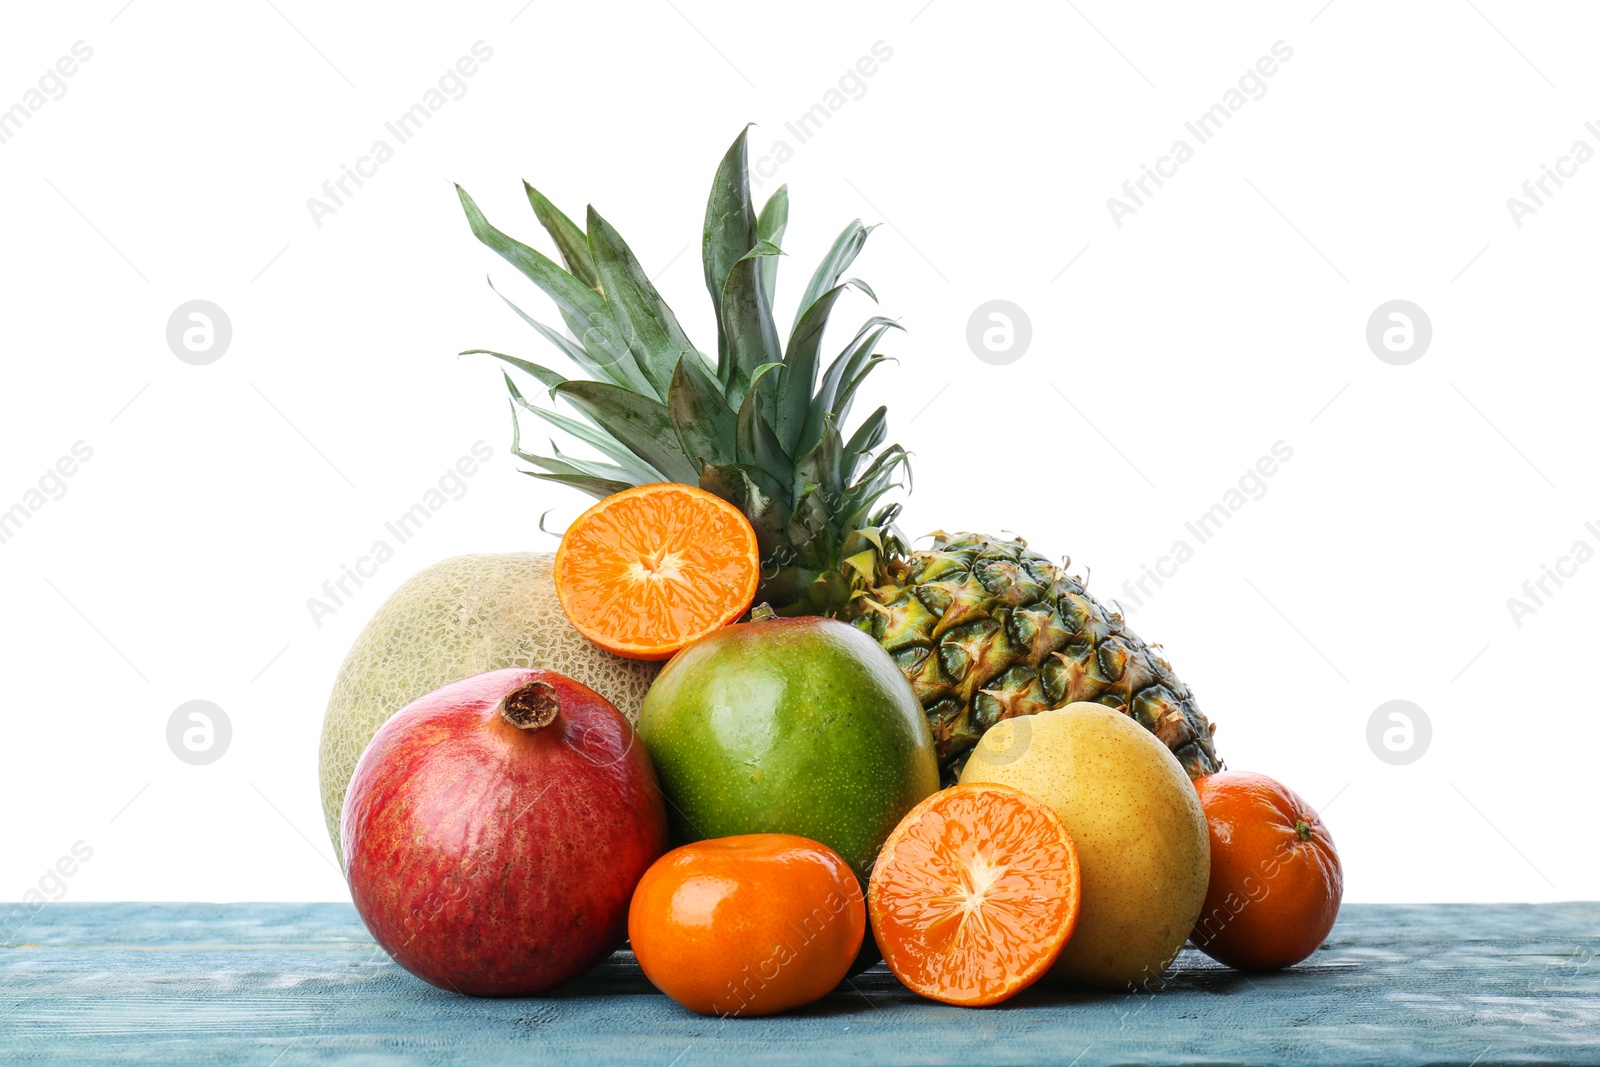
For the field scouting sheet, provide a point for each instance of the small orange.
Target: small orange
(975, 894)
(748, 925)
(1276, 880)
(650, 569)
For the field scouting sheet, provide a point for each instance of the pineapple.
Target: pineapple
(983, 628)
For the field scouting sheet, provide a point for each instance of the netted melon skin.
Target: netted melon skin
(460, 617)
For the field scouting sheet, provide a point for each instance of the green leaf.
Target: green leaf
(822, 467)
(639, 472)
(882, 468)
(754, 492)
(599, 488)
(842, 369)
(747, 324)
(648, 327)
(561, 463)
(790, 587)
(705, 423)
(758, 445)
(571, 241)
(637, 421)
(864, 287)
(730, 227)
(868, 436)
(593, 467)
(584, 312)
(642, 473)
(555, 466)
(800, 373)
(770, 226)
(841, 406)
(844, 251)
(863, 563)
(570, 348)
(871, 498)
(571, 296)
(549, 377)
(516, 424)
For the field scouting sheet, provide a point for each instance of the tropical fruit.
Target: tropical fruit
(975, 894)
(749, 925)
(1137, 824)
(1276, 880)
(984, 628)
(495, 831)
(792, 726)
(647, 570)
(460, 617)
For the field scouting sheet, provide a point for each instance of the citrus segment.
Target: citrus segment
(974, 895)
(650, 569)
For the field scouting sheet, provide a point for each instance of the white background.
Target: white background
(1227, 314)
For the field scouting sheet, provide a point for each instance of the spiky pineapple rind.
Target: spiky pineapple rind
(987, 629)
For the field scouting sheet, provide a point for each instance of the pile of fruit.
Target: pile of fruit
(953, 758)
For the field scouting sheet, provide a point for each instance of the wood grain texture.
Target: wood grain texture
(286, 984)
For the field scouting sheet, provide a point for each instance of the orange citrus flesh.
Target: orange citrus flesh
(650, 569)
(974, 894)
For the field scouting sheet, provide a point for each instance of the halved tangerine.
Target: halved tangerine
(974, 894)
(650, 569)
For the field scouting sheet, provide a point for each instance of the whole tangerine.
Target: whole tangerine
(748, 925)
(1276, 880)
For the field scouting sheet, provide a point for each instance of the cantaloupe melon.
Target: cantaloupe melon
(457, 618)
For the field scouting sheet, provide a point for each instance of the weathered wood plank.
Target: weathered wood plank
(293, 984)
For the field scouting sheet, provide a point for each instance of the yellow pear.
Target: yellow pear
(1135, 817)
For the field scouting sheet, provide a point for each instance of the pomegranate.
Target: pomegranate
(495, 830)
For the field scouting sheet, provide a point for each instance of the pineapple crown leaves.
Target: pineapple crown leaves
(760, 426)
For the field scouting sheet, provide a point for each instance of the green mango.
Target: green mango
(789, 725)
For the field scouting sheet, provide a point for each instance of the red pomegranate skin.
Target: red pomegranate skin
(494, 859)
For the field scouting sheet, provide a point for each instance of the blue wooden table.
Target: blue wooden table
(285, 984)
